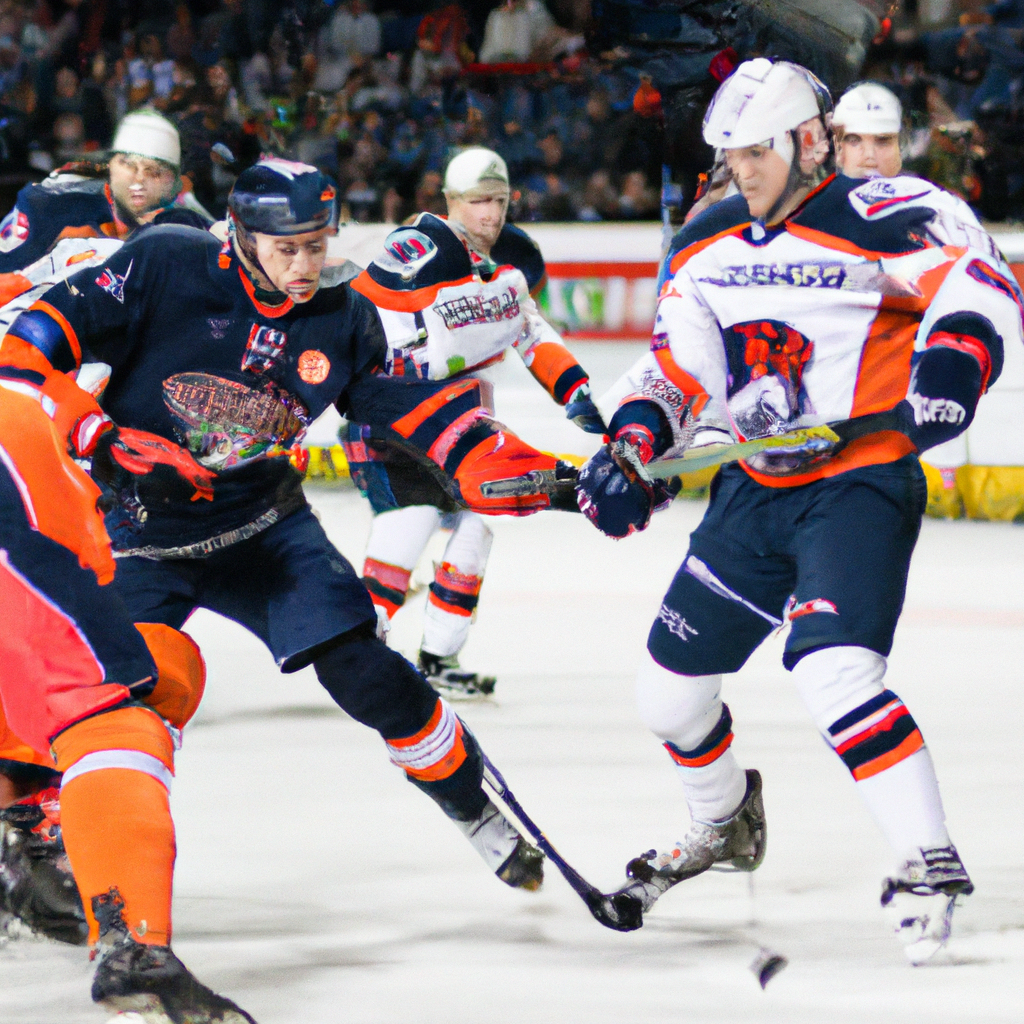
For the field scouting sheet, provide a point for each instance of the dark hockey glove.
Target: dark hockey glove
(123, 452)
(614, 490)
(583, 412)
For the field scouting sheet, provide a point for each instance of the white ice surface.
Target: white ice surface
(315, 886)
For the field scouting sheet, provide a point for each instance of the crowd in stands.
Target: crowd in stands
(378, 93)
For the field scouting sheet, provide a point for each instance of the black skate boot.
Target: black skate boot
(36, 883)
(735, 844)
(920, 900)
(445, 676)
(150, 981)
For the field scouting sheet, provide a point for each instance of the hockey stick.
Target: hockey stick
(810, 438)
(618, 911)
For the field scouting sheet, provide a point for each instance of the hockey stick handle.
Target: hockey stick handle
(497, 782)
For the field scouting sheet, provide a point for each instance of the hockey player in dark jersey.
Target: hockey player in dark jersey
(141, 184)
(232, 349)
(454, 295)
(809, 299)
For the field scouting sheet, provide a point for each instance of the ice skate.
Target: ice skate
(149, 984)
(919, 901)
(452, 682)
(515, 861)
(36, 883)
(735, 844)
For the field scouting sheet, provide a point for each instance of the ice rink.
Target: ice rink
(314, 885)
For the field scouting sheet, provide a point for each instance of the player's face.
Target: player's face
(139, 185)
(869, 156)
(760, 174)
(482, 216)
(293, 262)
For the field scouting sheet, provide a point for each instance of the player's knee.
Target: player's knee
(834, 681)
(181, 672)
(677, 708)
(375, 685)
(132, 737)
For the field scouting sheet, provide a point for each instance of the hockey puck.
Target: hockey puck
(766, 965)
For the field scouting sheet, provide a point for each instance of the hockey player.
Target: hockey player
(232, 350)
(455, 294)
(82, 689)
(809, 299)
(867, 123)
(142, 184)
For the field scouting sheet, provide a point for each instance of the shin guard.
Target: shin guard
(116, 818)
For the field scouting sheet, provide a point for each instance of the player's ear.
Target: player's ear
(813, 138)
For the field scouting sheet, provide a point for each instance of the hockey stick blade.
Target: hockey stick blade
(618, 910)
(810, 438)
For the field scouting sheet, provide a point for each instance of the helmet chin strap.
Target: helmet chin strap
(246, 247)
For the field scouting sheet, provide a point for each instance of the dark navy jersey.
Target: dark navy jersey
(197, 358)
(54, 209)
(516, 248)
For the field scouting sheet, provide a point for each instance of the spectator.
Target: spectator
(638, 200)
(150, 74)
(514, 31)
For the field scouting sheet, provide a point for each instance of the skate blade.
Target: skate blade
(921, 923)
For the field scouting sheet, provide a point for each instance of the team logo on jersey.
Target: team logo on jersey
(314, 366)
(792, 275)
(766, 366)
(218, 327)
(406, 252)
(13, 230)
(467, 310)
(113, 283)
(818, 604)
(263, 348)
(880, 195)
(675, 623)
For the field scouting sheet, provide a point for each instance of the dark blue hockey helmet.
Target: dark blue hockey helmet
(281, 197)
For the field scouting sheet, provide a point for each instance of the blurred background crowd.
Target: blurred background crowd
(586, 100)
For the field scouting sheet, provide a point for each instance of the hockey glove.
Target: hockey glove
(614, 490)
(123, 450)
(583, 412)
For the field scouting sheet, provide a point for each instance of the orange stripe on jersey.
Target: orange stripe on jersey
(62, 323)
(691, 250)
(548, 361)
(402, 302)
(15, 351)
(408, 424)
(690, 386)
(911, 745)
(872, 450)
(262, 307)
(884, 372)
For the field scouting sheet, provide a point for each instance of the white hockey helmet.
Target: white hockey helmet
(763, 100)
(868, 109)
(476, 170)
(146, 133)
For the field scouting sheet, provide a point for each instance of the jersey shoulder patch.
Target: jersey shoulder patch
(882, 197)
(516, 248)
(425, 254)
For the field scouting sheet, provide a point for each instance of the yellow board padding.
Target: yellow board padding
(994, 493)
(327, 464)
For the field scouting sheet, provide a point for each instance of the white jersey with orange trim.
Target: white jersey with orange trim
(816, 320)
(447, 311)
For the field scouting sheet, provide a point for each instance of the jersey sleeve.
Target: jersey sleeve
(544, 353)
(86, 317)
(683, 376)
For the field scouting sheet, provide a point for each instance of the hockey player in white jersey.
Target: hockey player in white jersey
(809, 299)
(454, 295)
